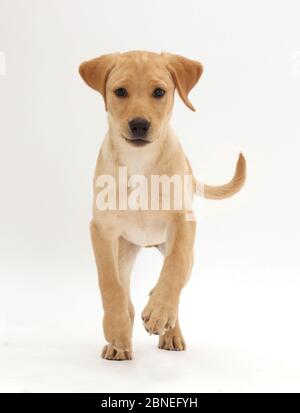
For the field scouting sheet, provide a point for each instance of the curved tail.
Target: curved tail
(227, 190)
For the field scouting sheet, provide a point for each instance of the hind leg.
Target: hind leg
(127, 255)
(172, 340)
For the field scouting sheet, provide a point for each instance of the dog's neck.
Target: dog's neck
(141, 159)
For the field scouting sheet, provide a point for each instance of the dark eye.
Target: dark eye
(158, 92)
(121, 92)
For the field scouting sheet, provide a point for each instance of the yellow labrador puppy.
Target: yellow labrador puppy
(138, 90)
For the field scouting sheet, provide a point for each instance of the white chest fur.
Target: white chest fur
(145, 230)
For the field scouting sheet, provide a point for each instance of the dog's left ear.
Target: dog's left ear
(95, 72)
(185, 74)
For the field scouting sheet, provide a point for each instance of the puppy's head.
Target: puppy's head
(138, 90)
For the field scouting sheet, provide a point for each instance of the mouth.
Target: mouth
(137, 141)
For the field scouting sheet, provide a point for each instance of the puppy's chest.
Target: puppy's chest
(145, 230)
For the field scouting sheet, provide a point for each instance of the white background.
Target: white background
(240, 311)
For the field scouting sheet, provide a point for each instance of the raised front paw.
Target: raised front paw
(159, 317)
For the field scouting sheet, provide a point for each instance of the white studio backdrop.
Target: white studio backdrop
(240, 311)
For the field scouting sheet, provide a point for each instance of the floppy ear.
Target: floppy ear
(185, 74)
(95, 72)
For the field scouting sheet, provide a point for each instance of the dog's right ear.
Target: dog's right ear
(95, 72)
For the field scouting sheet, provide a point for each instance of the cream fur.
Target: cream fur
(118, 235)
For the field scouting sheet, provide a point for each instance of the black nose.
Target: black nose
(139, 127)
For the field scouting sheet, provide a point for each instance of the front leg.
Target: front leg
(161, 312)
(116, 322)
